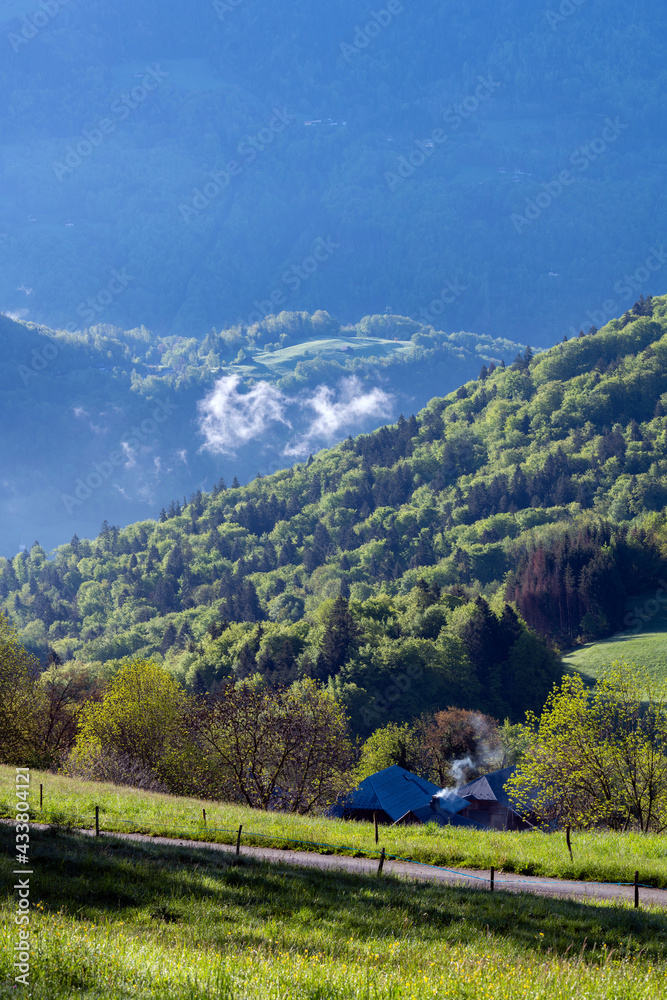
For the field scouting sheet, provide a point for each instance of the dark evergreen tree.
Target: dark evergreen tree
(340, 641)
(168, 638)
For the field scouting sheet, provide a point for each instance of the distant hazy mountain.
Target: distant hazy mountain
(112, 425)
(490, 166)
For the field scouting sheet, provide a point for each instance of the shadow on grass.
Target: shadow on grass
(215, 892)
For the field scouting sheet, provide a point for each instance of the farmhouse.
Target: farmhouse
(397, 796)
(488, 803)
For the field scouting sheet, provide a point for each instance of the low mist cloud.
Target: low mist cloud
(229, 419)
(333, 418)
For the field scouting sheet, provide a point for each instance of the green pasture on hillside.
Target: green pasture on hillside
(644, 644)
(364, 347)
(124, 920)
(598, 856)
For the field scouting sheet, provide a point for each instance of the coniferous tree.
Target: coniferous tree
(340, 641)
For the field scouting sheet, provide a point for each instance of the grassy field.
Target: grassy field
(645, 645)
(597, 856)
(120, 920)
(286, 358)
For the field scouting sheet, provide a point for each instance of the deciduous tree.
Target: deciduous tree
(19, 699)
(139, 717)
(272, 748)
(598, 757)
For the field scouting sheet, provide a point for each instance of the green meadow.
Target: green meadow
(287, 357)
(598, 856)
(121, 920)
(645, 644)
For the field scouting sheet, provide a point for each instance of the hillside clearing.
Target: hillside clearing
(645, 643)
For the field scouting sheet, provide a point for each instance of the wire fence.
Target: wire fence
(344, 850)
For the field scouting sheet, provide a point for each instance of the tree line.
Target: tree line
(591, 758)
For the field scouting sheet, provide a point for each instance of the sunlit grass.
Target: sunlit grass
(119, 920)
(597, 856)
(646, 644)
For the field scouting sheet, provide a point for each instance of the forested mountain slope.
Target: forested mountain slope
(204, 151)
(542, 484)
(103, 424)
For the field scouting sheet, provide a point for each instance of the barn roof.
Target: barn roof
(394, 791)
(490, 787)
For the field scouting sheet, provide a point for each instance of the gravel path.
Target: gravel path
(507, 882)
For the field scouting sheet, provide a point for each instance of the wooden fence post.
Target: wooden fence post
(381, 862)
(569, 842)
(203, 812)
(238, 840)
(375, 820)
(97, 821)
(493, 877)
(636, 890)
(41, 796)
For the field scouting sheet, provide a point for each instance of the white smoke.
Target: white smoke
(459, 768)
(488, 750)
(486, 755)
(446, 794)
(229, 419)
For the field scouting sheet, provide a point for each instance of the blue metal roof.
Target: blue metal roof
(450, 801)
(490, 787)
(394, 791)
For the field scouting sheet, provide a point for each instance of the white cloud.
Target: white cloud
(332, 419)
(130, 455)
(228, 418)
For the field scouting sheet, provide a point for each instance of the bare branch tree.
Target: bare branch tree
(272, 748)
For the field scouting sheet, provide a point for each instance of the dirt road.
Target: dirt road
(505, 882)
